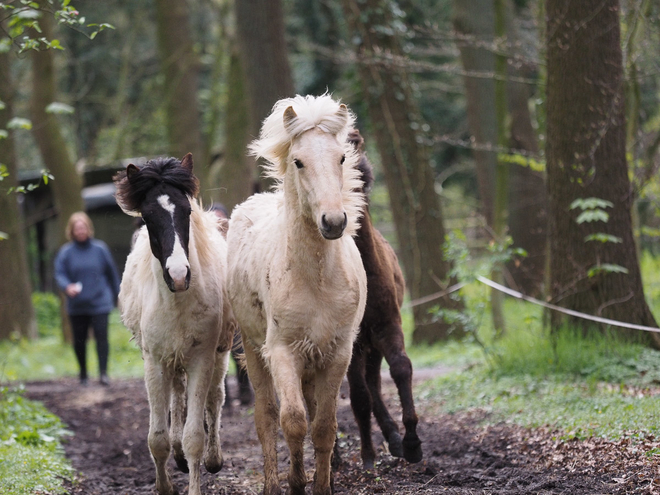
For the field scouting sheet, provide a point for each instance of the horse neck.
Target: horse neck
(308, 252)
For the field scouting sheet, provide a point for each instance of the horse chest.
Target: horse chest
(174, 335)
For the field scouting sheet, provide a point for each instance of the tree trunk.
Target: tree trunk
(16, 311)
(263, 51)
(586, 158)
(180, 69)
(473, 32)
(397, 126)
(528, 201)
(67, 186)
(236, 177)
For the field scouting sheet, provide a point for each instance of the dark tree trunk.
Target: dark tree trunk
(16, 311)
(236, 176)
(67, 186)
(528, 201)
(586, 159)
(180, 68)
(473, 32)
(396, 122)
(260, 32)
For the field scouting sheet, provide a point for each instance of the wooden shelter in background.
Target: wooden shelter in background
(111, 225)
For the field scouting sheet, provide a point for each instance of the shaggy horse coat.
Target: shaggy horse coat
(296, 281)
(380, 336)
(172, 299)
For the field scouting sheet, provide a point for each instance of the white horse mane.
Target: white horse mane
(328, 115)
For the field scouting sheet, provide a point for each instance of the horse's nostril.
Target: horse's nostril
(343, 225)
(324, 223)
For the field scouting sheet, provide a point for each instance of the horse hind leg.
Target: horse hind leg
(216, 397)
(178, 418)
(401, 371)
(385, 422)
(361, 404)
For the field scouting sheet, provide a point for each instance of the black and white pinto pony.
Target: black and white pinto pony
(296, 281)
(172, 298)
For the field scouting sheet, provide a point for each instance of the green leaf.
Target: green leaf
(590, 203)
(19, 123)
(3, 134)
(596, 215)
(601, 237)
(2, 105)
(57, 107)
(4, 236)
(605, 268)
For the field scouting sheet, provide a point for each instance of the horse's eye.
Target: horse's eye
(343, 159)
(298, 163)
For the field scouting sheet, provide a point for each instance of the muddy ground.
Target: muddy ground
(462, 455)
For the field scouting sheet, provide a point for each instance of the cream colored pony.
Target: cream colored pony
(172, 299)
(296, 280)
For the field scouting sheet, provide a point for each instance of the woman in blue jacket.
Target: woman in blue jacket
(85, 271)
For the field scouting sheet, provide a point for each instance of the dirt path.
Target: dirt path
(461, 456)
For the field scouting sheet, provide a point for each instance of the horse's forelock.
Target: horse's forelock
(275, 138)
(131, 191)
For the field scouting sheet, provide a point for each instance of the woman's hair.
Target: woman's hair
(79, 216)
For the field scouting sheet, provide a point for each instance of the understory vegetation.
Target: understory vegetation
(579, 385)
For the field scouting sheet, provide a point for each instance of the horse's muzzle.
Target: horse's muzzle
(177, 285)
(332, 227)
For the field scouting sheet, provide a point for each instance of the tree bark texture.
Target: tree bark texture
(180, 67)
(236, 176)
(263, 51)
(396, 124)
(475, 35)
(586, 159)
(528, 200)
(67, 186)
(16, 310)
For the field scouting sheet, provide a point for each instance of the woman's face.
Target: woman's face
(80, 231)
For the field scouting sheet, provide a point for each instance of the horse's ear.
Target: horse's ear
(131, 170)
(187, 162)
(290, 117)
(342, 113)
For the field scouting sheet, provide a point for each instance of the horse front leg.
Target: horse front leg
(401, 372)
(158, 383)
(200, 373)
(287, 371)
(265, 415)
(178, 417)
(216, 397)
(324, 427)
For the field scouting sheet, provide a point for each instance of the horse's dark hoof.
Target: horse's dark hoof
(368, 464)
(412, 450)
(395, 445)
(214, 466)
(181, 463)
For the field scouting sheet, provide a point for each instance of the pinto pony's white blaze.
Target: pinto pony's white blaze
(172, 298)
(296, 281)
(176, 263)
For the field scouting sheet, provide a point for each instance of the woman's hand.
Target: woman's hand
(72, 290)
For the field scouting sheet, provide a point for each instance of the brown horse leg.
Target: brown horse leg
(401, 372)
(361, 405)
(387, 424)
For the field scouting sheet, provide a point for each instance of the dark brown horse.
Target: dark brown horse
(380, 336)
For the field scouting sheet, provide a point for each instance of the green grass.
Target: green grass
(31, 457)
(582, 385)
(49, 357)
